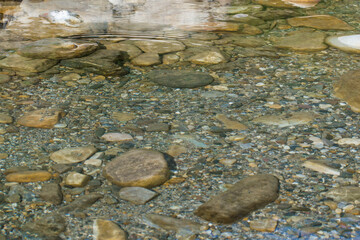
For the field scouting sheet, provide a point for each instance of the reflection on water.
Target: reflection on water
(129, 17)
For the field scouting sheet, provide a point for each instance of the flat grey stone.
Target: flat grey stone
(180, 78)
(137, 195)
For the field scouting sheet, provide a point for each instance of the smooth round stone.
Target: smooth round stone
(138, 168)
(349, 43)
(180, 78)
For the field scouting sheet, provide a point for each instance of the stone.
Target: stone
(28, 176)
(249, 9)
(123, 117)
(323, 22)
(286, 120)
(42, 118)
(208, 57)
(344, 194)
(321, 167)
(131, 50)
(347, 43)
(137, 195)
(108, 230)
(160, 46)
(349, 141)
(146, 59)
(49, 225)
(51, 192)
(180, 78)
(93, 162)
(250, 30)
(274, 14)
(117, 137)
(158, 127)
(4, 78)
(72, 155)
(263, 225)
(170, 58)
(190, 42)
(138, 168)
(249, 42)
(56, 48)
(246, 18)
(19, 63)
(274, 3)
(75, 179)
(180, 226)
(104, 62)
(213, 27)
(303, 3)
(302, 41)
(61, 168)
(176, 150)
(230, 124)
(347, 88)
(244, 197)
(81, 202)
(5, 118)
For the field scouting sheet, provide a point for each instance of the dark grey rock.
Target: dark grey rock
(51, 192)
(246, 196)
(137, 195)
(81, 203)
(180, 78)
(105, 62)
(50, 225)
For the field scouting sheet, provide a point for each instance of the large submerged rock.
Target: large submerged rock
(324, 22)
(247, 195)
(348, 43)
(19, 63)
(56, 48)
(347, 88)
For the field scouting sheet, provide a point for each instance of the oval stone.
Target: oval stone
(29, 176)
(138, 168)
(180, 78)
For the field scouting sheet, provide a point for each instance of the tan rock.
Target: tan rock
(263, 225)
(321, 167)
(349, 141)
(230, 124)
(303, 3)
(344, 194)
(132, 50)
(42, 118)
(160, 46)
(286, 120)
(214, 26)
(72, 155)
(138, 168)
(250, 30)
(76, 179)
(146, 59)
(108, 230)
(28, 176)
(170, 58)
(208, 57)
(274, 3)
(324, 22)
(5, 118)
(302, 41)
(347, 88)
(176, 150)
(117, 137)
(18, 63)
(123, 117)
(347, 43)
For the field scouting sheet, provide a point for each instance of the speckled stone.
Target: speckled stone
(43, 118)
(180, 78)
(72, 155)
(108, 230)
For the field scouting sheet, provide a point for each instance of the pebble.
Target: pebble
(137, 195)
(176, 150)
(4, 78)
(43, 118)
(81, 203)
(324, 22)
(138, 168)
(160, 46)
(132, 50)
(75, 179)
(5, 118)
(93, 162)
(321, 167)
(349, 141)
(146, 59)
(286, 120)
(72, 155)
(246, 196)
(210, 57)
(51, 192)
(347, 43)
(123, 117)
(180, 78)
(302, 41)
(117, 137)
(263, 225)
(48, 225)
(346, 88)
(230, 124)
(28, 176)
(344, 194)
(108, 230)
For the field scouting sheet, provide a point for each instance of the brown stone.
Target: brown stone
(43, 118)
(247, 195)
(264, 225)
(324, 22)
(302, 41)
(108, 230)
(146, 59)
(274, 3)
(28, 176)
(347, 88)
(230, 124)
(5, 118)
(138, 168)
(72, 155)
(19, 63)
(208, 57)
(51, 192)
(132, 50)
(75, 179)
(160, 46)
